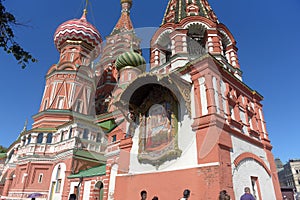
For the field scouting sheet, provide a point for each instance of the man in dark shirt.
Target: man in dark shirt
(247, 195)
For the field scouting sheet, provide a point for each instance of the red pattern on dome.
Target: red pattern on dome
(80, 30)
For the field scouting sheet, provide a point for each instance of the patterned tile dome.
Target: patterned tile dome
(131, 59)
(78, 30)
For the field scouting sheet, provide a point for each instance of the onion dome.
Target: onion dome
(78, 30)
(126, 1)
(131, 59)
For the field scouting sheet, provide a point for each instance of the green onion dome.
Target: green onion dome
(131, 59)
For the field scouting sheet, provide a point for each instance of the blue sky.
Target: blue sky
(266, 33)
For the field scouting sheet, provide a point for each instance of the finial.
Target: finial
(86, 4)
(85, 9)
(126, 7)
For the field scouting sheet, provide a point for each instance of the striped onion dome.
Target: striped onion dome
(78, 30)
(131, 59)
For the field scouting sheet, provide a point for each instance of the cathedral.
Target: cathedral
(111, 125)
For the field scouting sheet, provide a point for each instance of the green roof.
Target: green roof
(90, 156)
(107, 124)
(94, 171)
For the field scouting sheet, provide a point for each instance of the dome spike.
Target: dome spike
(85, 10)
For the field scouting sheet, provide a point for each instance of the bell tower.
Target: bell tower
(191, 29)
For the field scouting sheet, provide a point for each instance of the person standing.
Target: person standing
(72, 197)
(247, 195)
(155, 198)
(186, 194)
(143, 195)
(224, 195)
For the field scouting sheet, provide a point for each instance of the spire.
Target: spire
(83, 17)
(124, 23)
(25, 126)
(180, 9)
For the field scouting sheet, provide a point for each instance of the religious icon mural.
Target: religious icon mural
(158, 141)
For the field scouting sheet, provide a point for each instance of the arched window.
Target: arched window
(39, 138)
(45, 104)
(58, 179)
(61, 136)
(98, 138)
(49, 138)
(23, 141)
(72, 57)
(70, 132)
(28, 139)
(78, 107)
(99, 185)
(164, 44)
(85, 134)
(60, 103)
(195, 40)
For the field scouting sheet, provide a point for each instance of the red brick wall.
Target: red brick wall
(203, 182)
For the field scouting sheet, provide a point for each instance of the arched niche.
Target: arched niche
(156, 105)
(99, 186)
(164, 43)
(196, 44)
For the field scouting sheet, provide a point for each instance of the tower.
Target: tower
(197, 125)
(70, 84)
(64, 139)
(121, 40)
(190, 29)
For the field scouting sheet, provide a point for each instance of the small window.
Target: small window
(70, 133)
(83, 61)
(23, 178)
(29, 139)
(61, 136)
(40, 180)
(60, 103)
(58, 186)
(40, 138)
(255, 188)
(231, 110)
(85, 134)
(45, 104)
(58, 172)
(114, 138)
(72, 57)
(49, 138)
(78, 107)
(98, 139)
(250, 122)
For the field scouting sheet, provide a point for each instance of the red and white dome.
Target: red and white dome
(78, 30)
